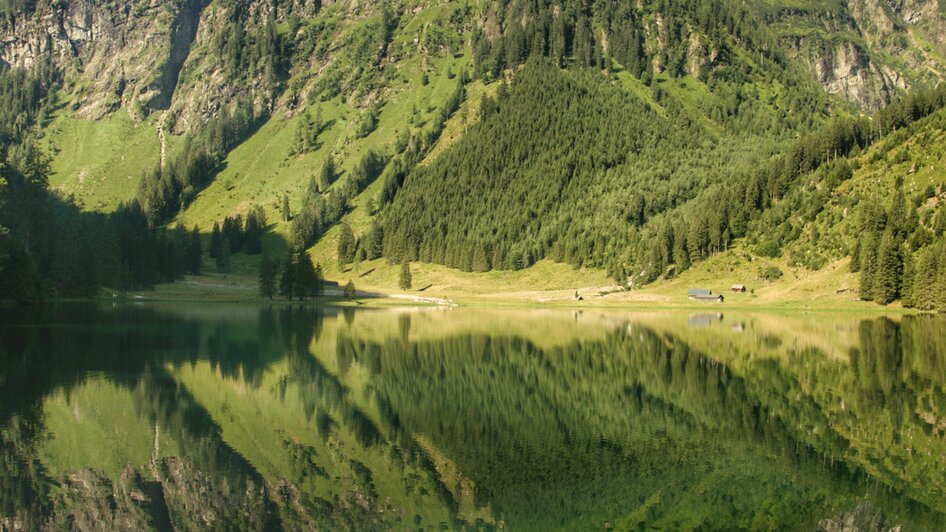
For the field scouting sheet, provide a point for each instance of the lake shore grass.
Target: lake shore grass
(776, 297)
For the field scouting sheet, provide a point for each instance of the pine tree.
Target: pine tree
(255, 226)
(868, 266)
(267, 278)
(327, 174)
(350, 291)
(375, 241)
(897, 216)
(305, 282)
(346, 245)
(889, 269)
(287, 279)
(939, 289)
(286, 214)
(404, 279)
(908, 283)
(925, 280)
(195, 253)
(318, 281)
(215, 241)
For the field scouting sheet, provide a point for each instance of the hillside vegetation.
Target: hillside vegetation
(633, 140)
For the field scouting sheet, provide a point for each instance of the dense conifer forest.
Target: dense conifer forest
(48, 247)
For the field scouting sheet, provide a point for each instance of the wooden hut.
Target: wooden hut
(738, 288)
(702, 294)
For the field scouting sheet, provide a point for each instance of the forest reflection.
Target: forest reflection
(298, 417)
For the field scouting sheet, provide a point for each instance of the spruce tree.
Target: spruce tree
(405, 281)
(195, 253)
(287, 279)
(318, 281)
(868, 265)
(307, 281)
(346, 245)
(908, 283)
(889, 269)
(267, 278)
(327, 174)
(375, 241)
(350, 291)
(939, 288)
(216, 240)
(255, 226)
(286, 214)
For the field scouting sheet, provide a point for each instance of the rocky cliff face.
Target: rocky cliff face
(871, 50)
(136, 54)
(114, 54)
(149, 55)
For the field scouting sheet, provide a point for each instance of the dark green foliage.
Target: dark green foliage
(327, 174)
(308, 278)
(300, 278)
(195, 253)
(287, 277)
(165, 191)
(346, 245)
(48, 246)
(868, 267)
(770, 273)
(253, 232)
(307, 132)
(321, 211)
(888, 269)
(216, 241)
(374, 245)
(286, 213)
(350, 292)
(223, 259)
(404, 280)
(267, 277)
(232, 234)
(549, 174)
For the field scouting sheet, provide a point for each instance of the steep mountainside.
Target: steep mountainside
(621, 137)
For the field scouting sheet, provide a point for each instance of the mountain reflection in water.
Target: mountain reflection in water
(238, 417)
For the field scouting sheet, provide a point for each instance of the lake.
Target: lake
(193, 416)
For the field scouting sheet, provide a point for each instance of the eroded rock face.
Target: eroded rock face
(147, 55)
(914, 11)
(846, 70)
(114, 53)
(853, 60)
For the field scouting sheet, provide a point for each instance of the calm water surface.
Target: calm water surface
(237, 417)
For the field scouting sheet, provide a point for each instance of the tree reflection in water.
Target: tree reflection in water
(300, 417)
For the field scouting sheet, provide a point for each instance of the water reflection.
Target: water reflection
(238, 417)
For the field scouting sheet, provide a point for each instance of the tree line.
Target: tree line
(48, 246)
(166, 190)
(898, 256)
(297, 277)
(234, 236)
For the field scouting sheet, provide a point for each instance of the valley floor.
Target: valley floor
(549, 284)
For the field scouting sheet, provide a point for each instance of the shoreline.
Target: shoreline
(408, 300)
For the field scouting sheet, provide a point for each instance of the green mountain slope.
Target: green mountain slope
(612, 137)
